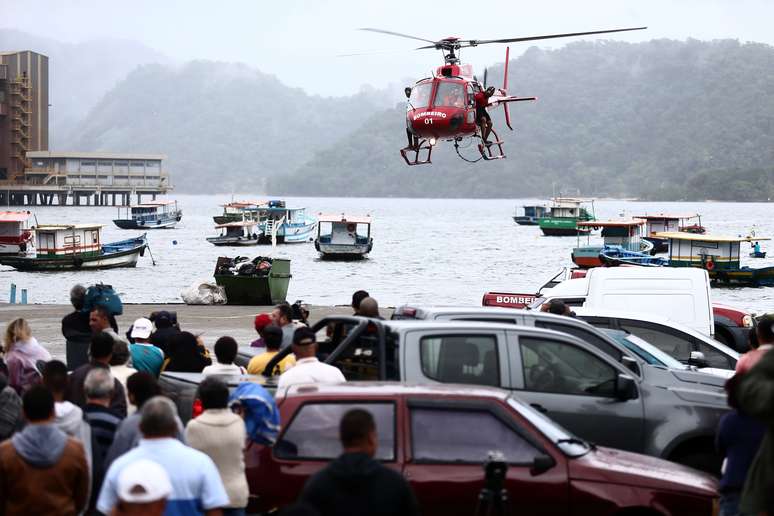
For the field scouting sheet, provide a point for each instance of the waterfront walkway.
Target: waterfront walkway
(209, 320)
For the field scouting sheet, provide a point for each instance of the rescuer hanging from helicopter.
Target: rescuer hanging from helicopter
(484, 120)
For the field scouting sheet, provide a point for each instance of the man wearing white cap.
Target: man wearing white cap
(197, 488)
(145, 356)
(143, 488)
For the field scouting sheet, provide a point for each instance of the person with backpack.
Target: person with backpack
(22, 354)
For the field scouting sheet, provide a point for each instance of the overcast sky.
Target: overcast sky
(299, 41)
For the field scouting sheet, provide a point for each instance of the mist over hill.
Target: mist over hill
(225, 127)
(662, 119)
(80, 73)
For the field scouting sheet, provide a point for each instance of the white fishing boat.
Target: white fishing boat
(240, 233)
(342, 237)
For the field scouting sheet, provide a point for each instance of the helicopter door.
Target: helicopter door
(470, 116)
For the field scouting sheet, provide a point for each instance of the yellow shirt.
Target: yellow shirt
(259, 362)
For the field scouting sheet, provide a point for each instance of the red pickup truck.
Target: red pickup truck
(425, 433)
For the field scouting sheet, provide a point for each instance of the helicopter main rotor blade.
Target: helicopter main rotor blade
(391, 33)
(475, 42)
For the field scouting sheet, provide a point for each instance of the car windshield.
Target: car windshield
(644, 349)
(564, 440)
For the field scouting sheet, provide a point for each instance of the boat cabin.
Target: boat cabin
(15, 233)
(666, 223)
(238, 229)
(64, 239)
(707, 251)
(239, 207)
(568, 208)
(343, 230)
(624, 233)
(149, 210)
(536, 211)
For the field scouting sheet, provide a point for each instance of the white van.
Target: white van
(681, 294)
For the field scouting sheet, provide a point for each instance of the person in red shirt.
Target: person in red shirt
(482, 116)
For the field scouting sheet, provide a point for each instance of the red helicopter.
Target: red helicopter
(452, 104)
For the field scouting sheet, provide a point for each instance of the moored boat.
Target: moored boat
(15, 234)
(151, 215)
(718, 255)
(623, 235)
(344, 238)
(280, 224)
(563, 216)
(532, 215)
(237, 211)
(60, 247)
(615, 255)
(240, 233)
(669, 222)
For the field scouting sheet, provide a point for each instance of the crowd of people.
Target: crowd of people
(97, 435)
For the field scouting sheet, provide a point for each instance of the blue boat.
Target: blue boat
(613, 255)
(282, 225)
(152, 215)
(532, 215)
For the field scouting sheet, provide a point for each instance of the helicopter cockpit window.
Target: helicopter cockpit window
(420, 95)
(450, 94)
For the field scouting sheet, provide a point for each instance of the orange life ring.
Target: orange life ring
(351, 228)
(710, 264)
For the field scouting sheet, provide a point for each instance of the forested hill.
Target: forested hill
(224, 127)
(663, 119)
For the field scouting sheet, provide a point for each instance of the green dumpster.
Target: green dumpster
(256, 289)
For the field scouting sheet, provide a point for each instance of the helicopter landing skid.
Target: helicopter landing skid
(494, 150)
(411, 154)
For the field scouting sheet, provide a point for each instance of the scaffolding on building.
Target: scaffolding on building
(20, 102)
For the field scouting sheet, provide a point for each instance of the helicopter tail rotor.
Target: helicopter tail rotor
(505, 88)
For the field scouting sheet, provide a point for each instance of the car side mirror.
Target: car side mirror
(407, 91)
(625, 388)
(631, 364)
(541, 464)
(697, 359)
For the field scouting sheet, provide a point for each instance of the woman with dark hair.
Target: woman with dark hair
(187, 356)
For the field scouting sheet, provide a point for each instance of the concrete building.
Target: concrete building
(30, 174)
(23, 110)
(105, 176)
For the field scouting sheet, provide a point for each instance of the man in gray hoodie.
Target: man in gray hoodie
(42, 470)
(69, 417)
